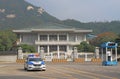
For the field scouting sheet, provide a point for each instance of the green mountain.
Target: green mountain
(97, 27)
(19, 14)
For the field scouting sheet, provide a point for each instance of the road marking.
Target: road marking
(84, 75)
(35, 74)
(90, 73)
(63, 73)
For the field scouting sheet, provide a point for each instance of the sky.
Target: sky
(82, 10)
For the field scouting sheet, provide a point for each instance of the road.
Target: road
(61, 71)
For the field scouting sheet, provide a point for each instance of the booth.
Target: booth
(108, 59)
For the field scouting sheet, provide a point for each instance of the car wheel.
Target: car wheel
(25, 68)
(44, 70)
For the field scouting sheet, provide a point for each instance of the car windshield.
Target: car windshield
(35, 59)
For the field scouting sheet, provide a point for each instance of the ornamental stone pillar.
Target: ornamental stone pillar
(75, 53)
(97, 52)
(42, 52)
(20, 53)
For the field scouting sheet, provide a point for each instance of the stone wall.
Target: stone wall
(8, 58)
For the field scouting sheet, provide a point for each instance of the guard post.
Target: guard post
(108, 59)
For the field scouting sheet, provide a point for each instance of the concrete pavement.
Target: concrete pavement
(61, 71)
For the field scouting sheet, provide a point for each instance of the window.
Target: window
(35, 59)
(43, 37)
(53, 48)
(53, 37)
(62, 37)
(62, 48)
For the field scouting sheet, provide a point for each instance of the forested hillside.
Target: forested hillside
(19, 14)
(98, 27)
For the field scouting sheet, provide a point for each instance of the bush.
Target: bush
(85, 47)
(27, 48)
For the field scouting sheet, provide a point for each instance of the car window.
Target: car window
(35, 59)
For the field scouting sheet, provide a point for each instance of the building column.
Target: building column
(116, 53)
(48, 37)
(20, 38)
(67, 37)
(48, 49)
(84, 37)
(38, 48)
(38, 37)
(57, 37)
(67, 49)
(111, 54)
(106, 54)
(76, 38)
(58, 51)
(86, 57)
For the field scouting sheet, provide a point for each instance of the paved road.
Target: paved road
(61, 71)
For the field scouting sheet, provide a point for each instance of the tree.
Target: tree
(103, 37)
(27, 48)
(117, 40)
(85, 47)
(7, 38)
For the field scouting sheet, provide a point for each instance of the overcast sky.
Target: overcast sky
(82, 10)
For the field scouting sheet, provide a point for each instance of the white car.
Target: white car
(34, 63)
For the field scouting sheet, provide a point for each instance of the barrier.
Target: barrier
(79, 60)
(59, 60)
(96, 60)
(20, 61)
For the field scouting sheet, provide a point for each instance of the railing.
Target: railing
(56, 42)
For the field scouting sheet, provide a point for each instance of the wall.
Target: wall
(8, 58)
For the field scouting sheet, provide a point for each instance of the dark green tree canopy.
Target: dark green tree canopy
(85, 47)
(103, 37)
(7, 39)
(27, 48)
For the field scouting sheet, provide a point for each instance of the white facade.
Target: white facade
(52, 40)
